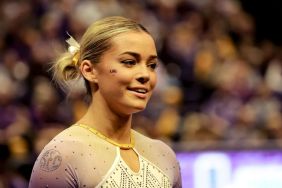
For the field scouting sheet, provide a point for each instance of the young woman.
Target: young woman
(117, 59)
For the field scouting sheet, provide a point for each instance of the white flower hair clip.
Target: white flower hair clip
(73, 49)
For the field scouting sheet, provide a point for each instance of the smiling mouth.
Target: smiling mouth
(139, 90)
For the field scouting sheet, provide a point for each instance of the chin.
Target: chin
(133, 106)
(137, 108)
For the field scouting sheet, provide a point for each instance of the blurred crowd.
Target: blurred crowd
(217, 84)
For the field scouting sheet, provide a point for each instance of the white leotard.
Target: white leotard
(120, 175)
(78, 158)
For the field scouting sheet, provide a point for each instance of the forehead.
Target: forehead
(139, 42)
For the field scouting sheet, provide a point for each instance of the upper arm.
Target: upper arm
(174, 164)
(178, 182)
(53, 168)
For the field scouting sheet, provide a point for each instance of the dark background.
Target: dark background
(267, 16)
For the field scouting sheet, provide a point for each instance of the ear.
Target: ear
(88, 71)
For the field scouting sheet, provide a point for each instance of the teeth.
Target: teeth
(141, 90)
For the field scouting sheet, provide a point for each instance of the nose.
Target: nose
(143, 75)
(143, 80)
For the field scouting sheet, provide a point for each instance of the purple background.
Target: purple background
(237, 159)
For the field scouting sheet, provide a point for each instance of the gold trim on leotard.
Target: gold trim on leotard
(99, 134)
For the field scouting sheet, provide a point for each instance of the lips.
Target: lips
(139, 91)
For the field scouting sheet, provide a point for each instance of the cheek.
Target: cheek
(116, 82)
(121, 76)
(153, 80)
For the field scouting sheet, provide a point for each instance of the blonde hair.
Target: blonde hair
(95, 41)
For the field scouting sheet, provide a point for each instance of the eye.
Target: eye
(129, 62)
(153, 66)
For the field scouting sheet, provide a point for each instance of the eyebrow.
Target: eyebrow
(138, 56)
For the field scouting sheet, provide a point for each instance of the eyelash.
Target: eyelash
(153, 65)
(130, 63)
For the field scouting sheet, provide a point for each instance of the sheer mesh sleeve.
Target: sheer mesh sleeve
(162, 156)
(74, 158)
(53, 168)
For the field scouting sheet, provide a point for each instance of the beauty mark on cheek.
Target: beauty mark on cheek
(113, 71)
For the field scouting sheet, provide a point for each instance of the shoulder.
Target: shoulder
(69, 145)
(161, 155)
(63, 145)
(71, 135)
(78, 146)
(52, 165)
(153, 145)
(67, 137)
(72, 158)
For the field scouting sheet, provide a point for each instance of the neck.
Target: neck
(113, 125)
